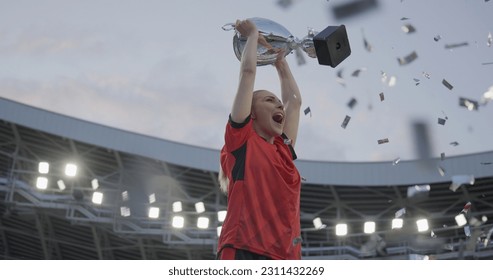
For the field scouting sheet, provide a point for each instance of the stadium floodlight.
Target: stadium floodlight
(203, 222)
(70, 169)
(152, 198)
(369, 227)
(178, 222)
(125, 211)
(94, 184)
(42, 183)
(97, 198)
(397, 223)
(43, 167)
(177, 206)
(153, 212)
(61, 185)
(219, 228)
(200, 207)
(317, 223)
(461, 220)
(221, 215)
(341, 229)
(422, 225)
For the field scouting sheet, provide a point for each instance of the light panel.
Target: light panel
(178, 222)
(203, 222)
(153, 212)
(341, 229)
(200, 207)
(97, 197)
(42, 183)
(43, 167)
(70, 169)
(422, 225)
(369, 227)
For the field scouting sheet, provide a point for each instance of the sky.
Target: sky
(167, 69)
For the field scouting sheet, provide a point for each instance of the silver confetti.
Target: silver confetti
(442, 156)
(437, 38)
(381, 96)
(408, 59)
(426, 75)
(441, 121)
(383, 141)
(455, 143)
(453, 46)
(441, 170)
(308, 111)
(352, 102)
(447, 84)
(459, 180)
(408, 28)
(339, 78)
(357, 72)
(396, 161)
(401, 212)
(418, 190)
(345, 122)
(490, 40)
(468, 103)
(416, 81)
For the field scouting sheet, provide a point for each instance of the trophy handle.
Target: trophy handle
(228, 26)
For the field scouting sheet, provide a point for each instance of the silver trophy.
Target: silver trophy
(330, 46)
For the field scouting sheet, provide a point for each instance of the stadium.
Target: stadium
(72, 189)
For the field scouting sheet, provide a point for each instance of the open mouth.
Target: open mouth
(278, 118)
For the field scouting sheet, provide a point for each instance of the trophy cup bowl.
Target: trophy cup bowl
(330, 46)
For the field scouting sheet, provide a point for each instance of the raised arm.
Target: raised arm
(242, 103)
(291, 98)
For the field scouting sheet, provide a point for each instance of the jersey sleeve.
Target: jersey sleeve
(237, 133)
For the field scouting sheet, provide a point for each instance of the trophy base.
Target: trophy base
(332, 45)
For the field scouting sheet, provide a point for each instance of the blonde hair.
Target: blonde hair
(223, 180)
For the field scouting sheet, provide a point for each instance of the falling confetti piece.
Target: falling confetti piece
(459, 180)
(441, 121)
(339, 78)
(426, 75)
(441, 170)
(383, 141)
(408, 59)
(447, 84)
(345, 122)
(455, 143)
(489, 42)
(453, 46)
(308, 111)
(357, 72)
(382, 98)
(352, 102)
(408, 28)
(466, 208)
(437, 38)
(396, 161)
(442, 156)
(468, 103)
(401, 212)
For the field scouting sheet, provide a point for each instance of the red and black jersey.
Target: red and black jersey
(263, 214)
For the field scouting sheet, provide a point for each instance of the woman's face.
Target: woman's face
(268, 114)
